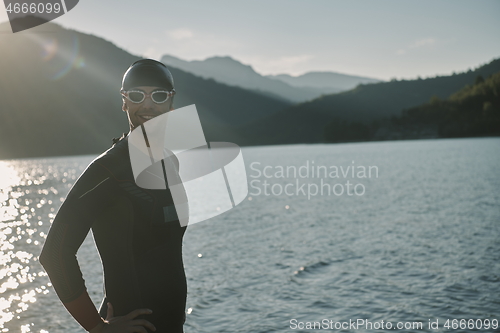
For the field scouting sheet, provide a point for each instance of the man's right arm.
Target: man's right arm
(89, 196)
(93, 192)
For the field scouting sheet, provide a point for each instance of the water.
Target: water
(417, 240)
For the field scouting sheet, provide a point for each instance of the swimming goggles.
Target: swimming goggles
(138, 96)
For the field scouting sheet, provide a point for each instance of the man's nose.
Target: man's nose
(148, 102)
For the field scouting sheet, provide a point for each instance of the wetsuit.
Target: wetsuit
(138, 238)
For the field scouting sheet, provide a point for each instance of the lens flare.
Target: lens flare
(68, 59)
(49, 49)
(59, 54)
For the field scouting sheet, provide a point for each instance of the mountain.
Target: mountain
(327, 82)
(305, 122)
(296, 89)
(472, 111)
(60, 95)
(229, 71)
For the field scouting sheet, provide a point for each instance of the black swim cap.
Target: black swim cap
(147, 72)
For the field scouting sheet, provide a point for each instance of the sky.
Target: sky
(384, 39)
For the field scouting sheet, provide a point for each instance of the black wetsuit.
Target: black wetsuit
(139, 243)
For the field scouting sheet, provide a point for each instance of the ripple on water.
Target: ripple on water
(422, 243)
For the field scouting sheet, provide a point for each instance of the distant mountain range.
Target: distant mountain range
(296, 89)
(472, 111)
(305, 122)
(327, 82)
(60, 96)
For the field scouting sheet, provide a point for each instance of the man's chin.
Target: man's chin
(142, 120)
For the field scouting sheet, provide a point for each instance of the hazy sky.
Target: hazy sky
(381, 39)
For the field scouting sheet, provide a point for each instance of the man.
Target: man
(140, 249)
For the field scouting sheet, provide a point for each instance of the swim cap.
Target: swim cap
(147, 72)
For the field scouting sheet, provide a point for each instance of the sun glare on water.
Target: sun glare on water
(19, 241)
(8, 176)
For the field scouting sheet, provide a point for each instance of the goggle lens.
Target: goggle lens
(159, 96)
(136, 96)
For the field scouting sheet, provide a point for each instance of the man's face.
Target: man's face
(139, 113)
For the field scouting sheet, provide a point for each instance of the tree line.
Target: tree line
(470, 112)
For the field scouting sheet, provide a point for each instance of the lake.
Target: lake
(403, 232)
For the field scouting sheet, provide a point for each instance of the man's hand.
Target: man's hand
(124, 324)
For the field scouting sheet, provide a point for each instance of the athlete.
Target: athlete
(136, 231)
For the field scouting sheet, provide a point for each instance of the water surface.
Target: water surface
(420, 243)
